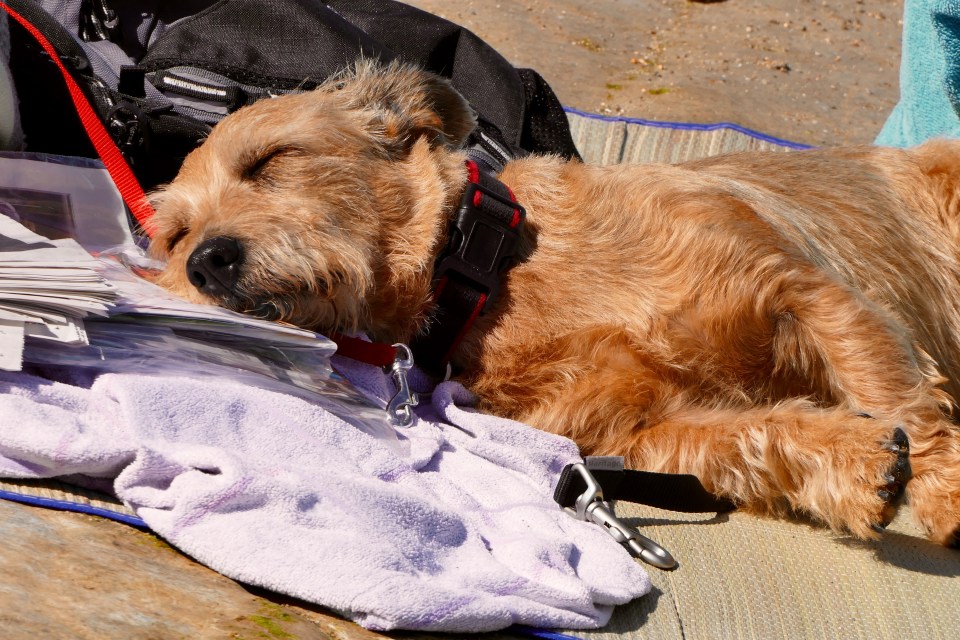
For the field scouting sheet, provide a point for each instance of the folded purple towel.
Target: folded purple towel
(453, 531)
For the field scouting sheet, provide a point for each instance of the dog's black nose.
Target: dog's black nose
(214, 266)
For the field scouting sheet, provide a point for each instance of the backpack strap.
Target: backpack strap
(673, 492)
(113, 160)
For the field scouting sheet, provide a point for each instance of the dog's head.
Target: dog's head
(322, 209)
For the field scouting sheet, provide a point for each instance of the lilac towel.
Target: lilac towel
(458, 534)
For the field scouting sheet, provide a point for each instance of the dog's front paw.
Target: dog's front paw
(861, 483)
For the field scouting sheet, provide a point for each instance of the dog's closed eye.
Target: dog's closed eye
(175, 238)
(257, 164)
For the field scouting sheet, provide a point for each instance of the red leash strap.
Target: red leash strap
(375, 353)
(113, 160)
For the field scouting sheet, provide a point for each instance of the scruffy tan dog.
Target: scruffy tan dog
(764, 321)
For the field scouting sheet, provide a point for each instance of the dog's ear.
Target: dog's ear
(405, 103)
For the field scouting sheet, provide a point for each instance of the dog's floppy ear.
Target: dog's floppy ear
(405, 103)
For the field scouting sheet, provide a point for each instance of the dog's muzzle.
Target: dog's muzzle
(214, 266)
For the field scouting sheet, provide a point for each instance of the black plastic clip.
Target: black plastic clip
(130, 129)
(483, 244)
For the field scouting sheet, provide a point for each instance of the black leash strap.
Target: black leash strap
(674, 492)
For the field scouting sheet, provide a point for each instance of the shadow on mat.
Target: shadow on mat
(911, 553)
(629, 618)
(639, 523)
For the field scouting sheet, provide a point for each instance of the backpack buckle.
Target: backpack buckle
(591, 507)
(130, 129)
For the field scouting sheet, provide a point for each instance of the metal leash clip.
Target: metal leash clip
(591, 507)
(399, 409)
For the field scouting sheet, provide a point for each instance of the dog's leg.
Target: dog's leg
(831, 344)
(849, 353)
(842, 469)
(613, 396)
(868, 365)
(934, 492)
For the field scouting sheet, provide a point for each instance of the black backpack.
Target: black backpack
(159, 74)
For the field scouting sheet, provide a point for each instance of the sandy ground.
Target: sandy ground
(815, 71)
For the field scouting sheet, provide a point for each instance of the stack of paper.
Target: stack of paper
(67, 253)
(46, 287)
(145, 303)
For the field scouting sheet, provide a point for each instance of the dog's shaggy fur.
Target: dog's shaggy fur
(764, 321)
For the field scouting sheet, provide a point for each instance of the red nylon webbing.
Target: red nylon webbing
(375, 353)
(477, 308)
(123, 177)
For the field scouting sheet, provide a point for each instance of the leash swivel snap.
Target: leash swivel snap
(399, 409)
(591, 507)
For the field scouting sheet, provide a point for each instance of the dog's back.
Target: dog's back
(886, 222)
(632, 245)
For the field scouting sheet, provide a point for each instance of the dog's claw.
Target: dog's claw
(900, 439)
(954, 541)
(898, 474)
(895, 478)
(879, 528)
(902, 466)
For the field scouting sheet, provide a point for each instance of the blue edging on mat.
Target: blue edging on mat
(690, 126)
(545, 634)
(64, 505)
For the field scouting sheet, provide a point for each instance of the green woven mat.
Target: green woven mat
(60, 495)
(743, 577)
(612, 140)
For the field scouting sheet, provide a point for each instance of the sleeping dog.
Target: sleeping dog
(785, 326)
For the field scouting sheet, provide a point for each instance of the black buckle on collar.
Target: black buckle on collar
(484, 239)
(483, 236)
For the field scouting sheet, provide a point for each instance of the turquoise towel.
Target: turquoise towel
(929, 75)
